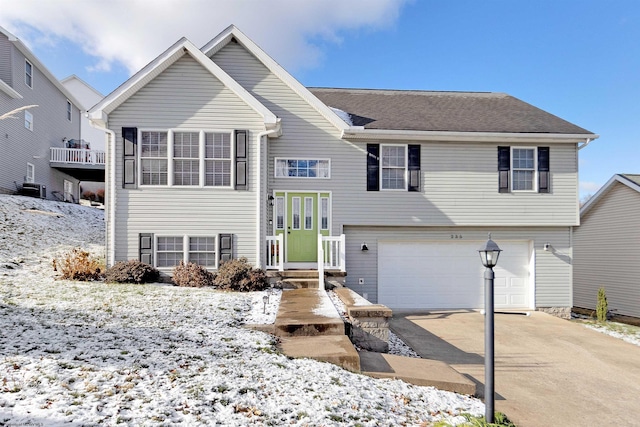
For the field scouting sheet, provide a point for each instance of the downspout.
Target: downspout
(111, 192)
(580, 147)
(259, 243)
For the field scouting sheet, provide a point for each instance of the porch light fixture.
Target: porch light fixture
(364, 247)
(489, 254)
(270, 200)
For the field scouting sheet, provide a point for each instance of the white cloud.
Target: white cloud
(133, 32)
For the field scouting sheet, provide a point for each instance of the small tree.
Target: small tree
(602, 307)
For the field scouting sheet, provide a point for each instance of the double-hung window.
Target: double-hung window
(523, 163)
(196, 249)
(170, 251)
(202, 250)
(524, 169)
(154, 162)
(217, 159)
(28, 73)
(28, 120)
(69, 110)
(186, 158)
(393, 167)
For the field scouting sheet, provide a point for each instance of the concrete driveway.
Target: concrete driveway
(548, 371)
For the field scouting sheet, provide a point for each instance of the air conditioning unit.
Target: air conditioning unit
(33, 189)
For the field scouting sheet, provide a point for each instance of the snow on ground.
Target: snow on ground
(627, 335)
(89, 353)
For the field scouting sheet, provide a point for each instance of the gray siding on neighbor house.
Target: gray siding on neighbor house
(18, 145)
(5, 60)
(459, 181)
(552, 268)
(185, 96)
(607, 252)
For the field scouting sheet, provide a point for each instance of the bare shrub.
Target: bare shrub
(88, 195)
(239, 275)
(100, 195)
(132, 271)
(79, 265)
(192, 275)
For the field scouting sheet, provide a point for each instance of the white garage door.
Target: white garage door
(450, 275)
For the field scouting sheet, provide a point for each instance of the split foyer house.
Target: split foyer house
(218, 153)
(41, 148)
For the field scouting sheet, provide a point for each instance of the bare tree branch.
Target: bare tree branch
(12, 114)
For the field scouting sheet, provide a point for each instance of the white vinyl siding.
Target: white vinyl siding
(185, 97)
(607, 251)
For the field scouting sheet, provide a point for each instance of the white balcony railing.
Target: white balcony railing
(78, 156)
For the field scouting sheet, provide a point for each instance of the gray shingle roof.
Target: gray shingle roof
(631, 177)
(443, 111)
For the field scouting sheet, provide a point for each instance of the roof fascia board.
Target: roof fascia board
(162, 62)
(232, 31)
(605, 189)
(354, 133)
(9, 90)
(40, 66)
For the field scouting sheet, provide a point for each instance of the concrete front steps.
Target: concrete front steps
(310, 326)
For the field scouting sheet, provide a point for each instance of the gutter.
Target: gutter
(445, 136)
(277, 131)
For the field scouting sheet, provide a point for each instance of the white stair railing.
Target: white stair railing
(332, 256)
(275, 258)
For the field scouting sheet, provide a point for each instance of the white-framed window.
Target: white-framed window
(154, 163)
(186, 158)
(202, 250)
(393, 167)
(523, 169)
(69, 110)
(279, 213)
(303, 168)
(31, 173)
(170, 250)
(28, 73)
(324, 213)
(28, 120)
(308, 213)
(217, 159)
(295, 212)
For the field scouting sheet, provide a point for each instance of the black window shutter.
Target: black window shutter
(145, 248)
(543, 170)
(414, 168)
(373, 167)
(241, 160)
(226, 247)
(130, 145)
(504, 165)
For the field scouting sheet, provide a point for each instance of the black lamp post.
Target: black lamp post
(489, 254)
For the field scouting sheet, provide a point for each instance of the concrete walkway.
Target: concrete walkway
(548, 371)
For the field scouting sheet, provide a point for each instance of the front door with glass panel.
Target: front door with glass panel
(301, 217)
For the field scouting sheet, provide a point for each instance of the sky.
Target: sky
(577, 59)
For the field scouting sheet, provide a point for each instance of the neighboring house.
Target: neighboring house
(92, 137)
(34, 142)
(607, 247)
(219, 152)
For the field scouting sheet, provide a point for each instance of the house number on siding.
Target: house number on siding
(456, 236)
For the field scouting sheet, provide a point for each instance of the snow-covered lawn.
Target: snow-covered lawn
(77, 353)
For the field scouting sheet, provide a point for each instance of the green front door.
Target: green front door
(307, 215)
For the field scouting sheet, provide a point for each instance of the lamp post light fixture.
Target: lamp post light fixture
(489, 254)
